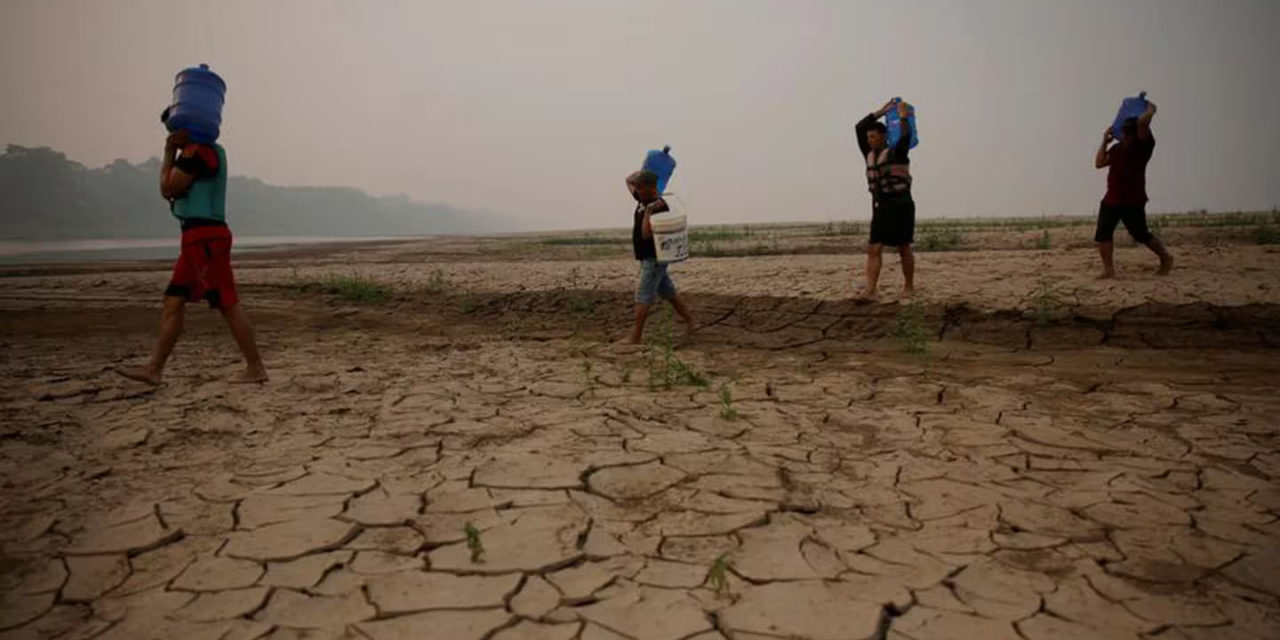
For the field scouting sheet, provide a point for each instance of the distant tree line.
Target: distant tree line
(44, 195)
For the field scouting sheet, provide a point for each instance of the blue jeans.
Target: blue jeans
(654, 282)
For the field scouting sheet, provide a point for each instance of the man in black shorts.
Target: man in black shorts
(1126, 199)
(893, 212)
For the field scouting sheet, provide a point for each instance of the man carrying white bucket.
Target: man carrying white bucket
(654, 282)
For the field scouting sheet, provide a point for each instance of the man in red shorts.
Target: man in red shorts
(193, 179)
(1126, 198)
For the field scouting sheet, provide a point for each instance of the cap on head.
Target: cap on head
(643, 178)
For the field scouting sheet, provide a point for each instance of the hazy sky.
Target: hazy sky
(538, 109)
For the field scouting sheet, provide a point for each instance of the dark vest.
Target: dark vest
(885, 178)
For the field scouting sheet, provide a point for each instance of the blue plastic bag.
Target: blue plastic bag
(1129, 108)
(891, 122)
(661, 163)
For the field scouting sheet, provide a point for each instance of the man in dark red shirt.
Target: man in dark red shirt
(1126, 199)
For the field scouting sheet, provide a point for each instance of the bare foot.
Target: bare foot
(908, 292)
(864, 297)
(250, 376)
(1166, 265)
(629, 341)
(1107, 275)
(140, 374)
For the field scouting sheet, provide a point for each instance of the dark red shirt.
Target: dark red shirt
(1127, 177)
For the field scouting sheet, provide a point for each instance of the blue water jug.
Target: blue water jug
(198, 94)
(661, 163)
(1129, 108)
(891, 122)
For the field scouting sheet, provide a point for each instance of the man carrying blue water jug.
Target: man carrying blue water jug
(893, 211)
(1126, 197)
(654, 280)
(193, 178)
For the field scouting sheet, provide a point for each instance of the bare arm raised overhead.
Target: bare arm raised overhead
(864, 126)
(1103, 157)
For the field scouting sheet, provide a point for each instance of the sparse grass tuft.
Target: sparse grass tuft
(718, 576)
(1266, 234)
(588, 375)
(943, 239)
(351, 288)
(473, 542)
(911, 329)
(578, 303)
(469, 305)
(726, 403)
(716, 235)
(665, 369)
(843, 228)
(437, 282)
(1044, 242)
(713, 250)
(1046, 301)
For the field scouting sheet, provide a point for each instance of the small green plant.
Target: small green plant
(579, 303)
(469, 305)
(911, 330)
(626, 374)
(942, 239)
(718, 576)
(437, 282)
(726, 403)
(352, 288)
(1046, 302)
(682, 372)
(665, 369)
(710, 250)
(843, 228)
(719, 234)
(1044, 242)
(588, 375)
(473, 542)
(1266, 234)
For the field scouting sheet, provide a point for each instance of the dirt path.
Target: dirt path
(1108, 473)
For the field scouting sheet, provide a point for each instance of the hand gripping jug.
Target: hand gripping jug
(198, 95)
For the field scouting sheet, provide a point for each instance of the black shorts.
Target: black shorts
(893, 222)
(1134, 217)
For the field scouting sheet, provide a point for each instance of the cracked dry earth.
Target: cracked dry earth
(987, 492)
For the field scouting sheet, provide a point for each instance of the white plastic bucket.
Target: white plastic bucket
(670, 236)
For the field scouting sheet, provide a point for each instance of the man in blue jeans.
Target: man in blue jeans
(654, 280)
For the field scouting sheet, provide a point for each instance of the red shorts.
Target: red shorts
(203, 269)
